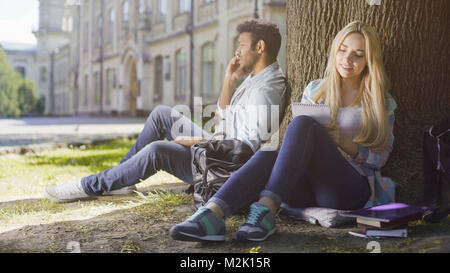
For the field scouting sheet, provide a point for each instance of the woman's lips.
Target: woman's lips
(346, 68)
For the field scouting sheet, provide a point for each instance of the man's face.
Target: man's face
(247, 56)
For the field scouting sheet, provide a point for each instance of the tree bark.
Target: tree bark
(415, 35)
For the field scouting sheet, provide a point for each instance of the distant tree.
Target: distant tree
(27, 97)
(9, 105)
(40, 105)
(17, 94)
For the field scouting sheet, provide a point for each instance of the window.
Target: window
(43, 73)
(184, 6)
(157, 96)
(112, 21)
(86, 90)
(125, 10)
(162, 10)
(208, 70)
(86, 36)
(142, 6)
(111, 78)
(21, 70)
(97, 88)
(180, 87)
(99, 30)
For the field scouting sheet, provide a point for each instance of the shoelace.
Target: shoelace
(198, 214)
(254, 215)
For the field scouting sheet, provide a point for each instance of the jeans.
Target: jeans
(150, 153)
(308, 171)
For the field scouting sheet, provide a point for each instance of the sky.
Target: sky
(17, 17)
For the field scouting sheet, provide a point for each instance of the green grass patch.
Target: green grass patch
(28, 175)
(22, 208)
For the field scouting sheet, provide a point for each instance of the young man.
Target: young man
(259, 44)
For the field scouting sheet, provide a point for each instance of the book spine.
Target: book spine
(390, 224)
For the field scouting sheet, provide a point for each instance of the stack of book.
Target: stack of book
(390, 220)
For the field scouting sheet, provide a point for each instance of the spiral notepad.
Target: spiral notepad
(348, 118)
(321, 113)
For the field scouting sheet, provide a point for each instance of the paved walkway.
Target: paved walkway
(19, 134)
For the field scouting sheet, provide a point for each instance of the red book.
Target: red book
(389, 215)
(371, 223)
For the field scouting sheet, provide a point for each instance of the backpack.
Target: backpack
(436, 166)
(214, 161)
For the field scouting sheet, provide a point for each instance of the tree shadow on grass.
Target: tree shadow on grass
(96, 163)
(97, 157)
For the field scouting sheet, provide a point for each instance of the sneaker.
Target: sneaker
(260, 224)
(204, 225)
(124, 190)
(68, 192)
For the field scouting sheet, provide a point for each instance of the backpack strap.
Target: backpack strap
(438, 138)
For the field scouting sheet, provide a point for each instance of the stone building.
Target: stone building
(50, 35)
(127, 56)
(22, 58)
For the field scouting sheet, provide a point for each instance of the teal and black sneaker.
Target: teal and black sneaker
(260, 224)
(204, 225)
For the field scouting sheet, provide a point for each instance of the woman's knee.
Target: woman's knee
(302, 120)
(300, 123)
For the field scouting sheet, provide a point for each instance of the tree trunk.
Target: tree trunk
(415, 35)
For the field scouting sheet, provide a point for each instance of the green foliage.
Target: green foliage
(40, 105)
(17, 95)
(27, 97)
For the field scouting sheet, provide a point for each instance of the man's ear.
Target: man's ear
(261, 46)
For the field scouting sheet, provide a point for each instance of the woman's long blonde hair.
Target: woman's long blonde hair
(372, 94)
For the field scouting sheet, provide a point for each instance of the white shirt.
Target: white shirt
(253, 115)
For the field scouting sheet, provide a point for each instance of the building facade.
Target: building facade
(22, 58)
(125, 57)
(51, 34)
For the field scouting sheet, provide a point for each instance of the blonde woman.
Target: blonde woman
(318, 165)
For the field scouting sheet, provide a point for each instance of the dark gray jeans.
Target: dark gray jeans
(150, 153)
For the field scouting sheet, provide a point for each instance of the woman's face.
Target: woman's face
(351, 56)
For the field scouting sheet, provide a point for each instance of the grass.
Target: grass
(28, 175)
(24, 177)
(21, 208)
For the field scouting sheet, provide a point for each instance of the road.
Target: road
(23, 132)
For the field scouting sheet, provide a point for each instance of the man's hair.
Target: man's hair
(263, 30)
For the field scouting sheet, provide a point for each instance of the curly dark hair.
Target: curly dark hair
(263, 30)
